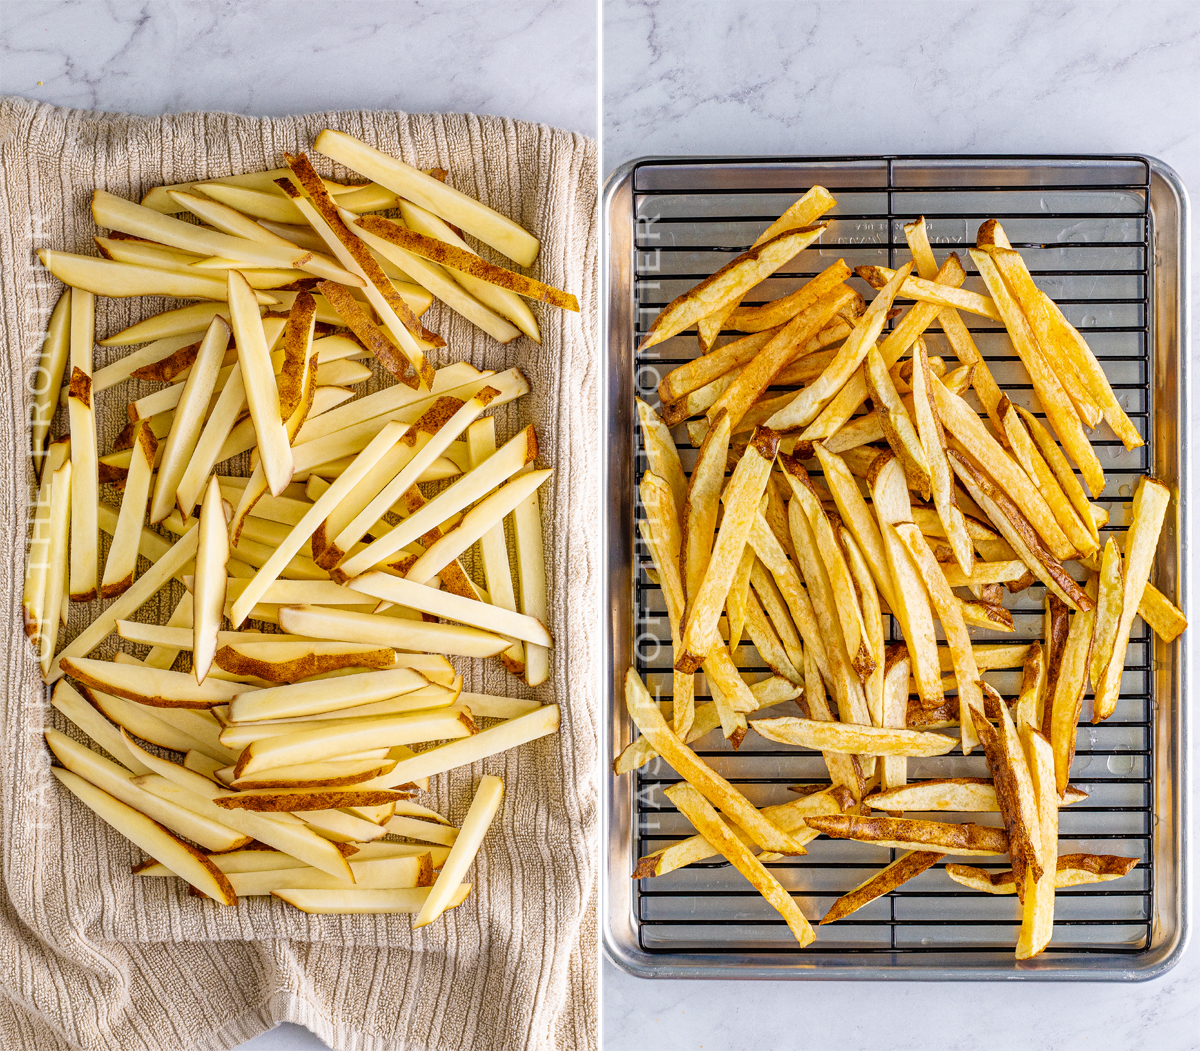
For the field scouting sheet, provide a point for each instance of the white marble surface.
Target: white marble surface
(757, 77)
(529, 59)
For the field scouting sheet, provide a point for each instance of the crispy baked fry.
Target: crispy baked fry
(649, 720)
(846, 737)
(1109, 605)
(807, 210)
(806, 405)
(1150, 503)
(729, 283)
(1074, 870)
(741, 499)
(908, 834)
(700, 813)
(883, 882)
(1037, 923)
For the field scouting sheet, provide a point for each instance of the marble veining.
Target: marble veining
(768, 77)
(530, 59)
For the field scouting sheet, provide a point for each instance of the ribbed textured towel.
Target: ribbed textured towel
(91, 957)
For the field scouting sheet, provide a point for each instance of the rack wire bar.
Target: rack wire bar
(1089, 228)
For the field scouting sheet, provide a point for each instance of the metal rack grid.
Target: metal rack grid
(1087, 235)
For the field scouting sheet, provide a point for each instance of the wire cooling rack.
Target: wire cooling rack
(1092, 232)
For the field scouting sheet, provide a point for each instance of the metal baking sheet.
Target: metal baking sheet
(1106, 237)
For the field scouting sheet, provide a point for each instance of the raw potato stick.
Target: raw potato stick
(473, 217)
(85, 483)
(121, 563)
(262, 393)
(493, 549)
(188, 422)
(47, 384)
(483, 809)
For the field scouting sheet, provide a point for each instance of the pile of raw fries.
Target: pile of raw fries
(296, 776)
(872, 486)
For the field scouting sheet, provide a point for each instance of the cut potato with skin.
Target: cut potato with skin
(181, 858)
(58, 559)
(47, 385)
(336, 773)
(365, 900)
(442, 432)
(85, 493)
(458, 261)
(307, 746)
(509, 734)
(262, 393)
(323, 216)
(196, 792)
(452, 607)
(442, 283)
(293, 661)
(67, 701)
(482, 517)
(375, 449)
(118, 214)
(493, 547)
(297, 800)
(103, 277)
(152, 686)
(142, 721)
(425, 831)
(121, 563)
(501, 300)
(208, 592)
(471, 487)
(119, 783)
(383, 630)
(471, 216)
(480, 815)
(313, 698)
(380, 873)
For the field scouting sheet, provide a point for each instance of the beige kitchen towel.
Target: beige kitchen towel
(93, 958)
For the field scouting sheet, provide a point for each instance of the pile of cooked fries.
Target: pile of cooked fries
(835, 513)
(296, 777)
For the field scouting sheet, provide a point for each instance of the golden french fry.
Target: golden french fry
(788, 816)
(1150, 503)
(1053, 398)
(741, 497)
(1066, 700)
(1037, 923)
(807, 210)
(729, 283)
(949, 612)
(1032, 697)
(961, 421)
(759, 373)
(897, 428)
(883, 882)
(851, 739)
(807, 405)
(912, 608)
(701, 814)
(909, 834)
(1109, 606)
(1074, 870)
(1019, 532)
(649, 720)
